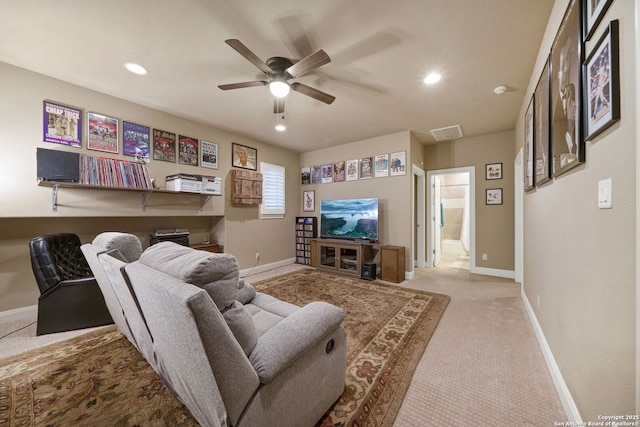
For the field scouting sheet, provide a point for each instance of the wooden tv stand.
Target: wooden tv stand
(342, 256)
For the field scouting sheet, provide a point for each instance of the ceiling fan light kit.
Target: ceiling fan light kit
(280, 70)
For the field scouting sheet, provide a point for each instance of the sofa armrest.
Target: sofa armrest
(86, 281)
(293, 336)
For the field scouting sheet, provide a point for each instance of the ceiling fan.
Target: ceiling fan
(280, 70)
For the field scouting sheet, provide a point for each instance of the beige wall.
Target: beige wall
(393, 192)
(25, 208)
(580, 260)
(494, 223)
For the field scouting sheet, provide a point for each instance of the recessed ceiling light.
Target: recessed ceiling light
(136, 69)
(280, 127)
(432, 78)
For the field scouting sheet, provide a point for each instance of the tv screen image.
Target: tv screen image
(349, 219)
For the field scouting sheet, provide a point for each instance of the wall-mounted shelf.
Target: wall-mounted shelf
(146, 193)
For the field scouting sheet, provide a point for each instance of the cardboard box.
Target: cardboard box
(211, 185)
(184, 182)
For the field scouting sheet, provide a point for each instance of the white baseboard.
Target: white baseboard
(21, 313)
(266, 267)
(507, 274)
(569, 406)
(409, 275)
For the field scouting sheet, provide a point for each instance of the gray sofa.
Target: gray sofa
(233, 356)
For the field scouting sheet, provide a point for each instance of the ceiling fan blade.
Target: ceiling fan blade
(243, 84)
(308, 63)
(252, 57)
(314, 93)
(278, 105)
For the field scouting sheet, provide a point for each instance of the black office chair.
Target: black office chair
(70, 297)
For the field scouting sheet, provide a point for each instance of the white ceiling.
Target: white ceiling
(380, 50)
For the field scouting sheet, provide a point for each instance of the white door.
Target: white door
(437, 221)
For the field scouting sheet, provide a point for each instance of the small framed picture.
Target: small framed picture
(208, 154)
(366, 167)
(593, 12)
(381, 162)
(164, 145)
(305, 175)
(493, 171)
(338, 171)
(494, 196)
(102, 133)
(309, 201)
(316, 174)
(135, 140)
(602, 83)
(244, 157)
(188, 150)
(352, 170)
(327, 173)
(398, 163)
(62, 124)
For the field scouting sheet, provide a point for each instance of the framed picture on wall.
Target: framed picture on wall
(381, 162)
(339, 171)
(102, 133)
(398, 163)
(529, 177)
(566, 118)
(164, 145)
(493, 171)
(309, 201)
(62, 124)
(305, 175)
(316, 174)
(494, 196)
(593, 11)
(188, 150)
(602, 83)
(208, 154)
(366, 167)
(542, 164)
(243, 157)
(352, 170)
(327, 173)
(135, 140)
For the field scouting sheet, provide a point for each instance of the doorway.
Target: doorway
(451, 204)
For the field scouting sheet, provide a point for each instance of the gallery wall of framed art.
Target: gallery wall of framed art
(577, 96)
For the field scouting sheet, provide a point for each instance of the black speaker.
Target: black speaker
(58, 165)
(369, 270)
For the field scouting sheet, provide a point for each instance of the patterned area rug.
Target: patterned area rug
(388, 329)
(100, 379)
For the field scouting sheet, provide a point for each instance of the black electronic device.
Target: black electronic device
(57, 165)
(369, 271)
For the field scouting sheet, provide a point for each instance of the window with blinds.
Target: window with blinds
(272, 191)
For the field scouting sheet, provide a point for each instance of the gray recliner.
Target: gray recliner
(233, 356)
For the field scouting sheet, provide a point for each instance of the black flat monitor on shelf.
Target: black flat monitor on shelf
(349, 219)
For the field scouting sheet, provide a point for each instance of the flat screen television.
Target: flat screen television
(352, 219)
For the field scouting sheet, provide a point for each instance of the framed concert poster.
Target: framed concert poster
(102, 133)
(164, 145)
(602, 83)
(208, 154)
(135, 140)
(62, 124)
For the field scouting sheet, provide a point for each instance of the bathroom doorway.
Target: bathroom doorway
(452, 213)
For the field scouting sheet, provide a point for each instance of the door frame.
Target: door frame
(471, 171)
(418, 219)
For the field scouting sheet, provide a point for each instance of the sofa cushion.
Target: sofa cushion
(242, 326)
(127, 244)
(215, 273)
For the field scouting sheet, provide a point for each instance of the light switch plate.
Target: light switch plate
(604, 194)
